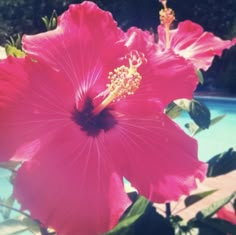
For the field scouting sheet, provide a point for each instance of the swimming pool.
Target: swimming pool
(221, 136)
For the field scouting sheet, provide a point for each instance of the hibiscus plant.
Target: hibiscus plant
(87, 131)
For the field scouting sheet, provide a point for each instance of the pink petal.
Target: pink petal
(71, 185)
(190, 41)
(13, 81)
(223, 186)
(227, 213)
(85, 40)
(165, 75)
(13, 85)
(25, 125)
(154, 154)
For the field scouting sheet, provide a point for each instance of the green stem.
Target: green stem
(168, 210)
(14, 209)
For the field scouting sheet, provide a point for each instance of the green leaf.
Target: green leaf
(214, 207)
(200, 76)
(184, 104)
(203, 229)
(19, 225)
(11, 42)
(15, 43)
(173, 110)
(53, 20)
(197, 197)
(51, 23)
(221, 225)
(9, 204)
(12, 227)
(13, 51)
(124, 226)
(194, 129)
(138, 207)
(234, 204)
(222, 163)
(10, 165)
(217, 119)
(18, 44)
(200, 114)
(45, 21)
(180, 226)
(32, 226)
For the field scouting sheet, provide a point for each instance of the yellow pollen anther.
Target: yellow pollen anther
(124, 80)
(167, 16)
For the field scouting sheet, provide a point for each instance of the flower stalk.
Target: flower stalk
(124, 80)
(167, 16)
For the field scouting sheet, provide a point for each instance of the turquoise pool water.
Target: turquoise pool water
(221, 136)
(212, 141)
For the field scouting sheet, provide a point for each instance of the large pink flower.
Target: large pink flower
(190, 41)
(169, 71)
(227, 213)
(84, 109)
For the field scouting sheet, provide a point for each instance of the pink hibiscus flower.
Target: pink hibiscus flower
(190, 41)
(227, 213)
(84, 109)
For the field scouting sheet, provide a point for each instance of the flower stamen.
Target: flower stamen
(167, 16)
(124, 80)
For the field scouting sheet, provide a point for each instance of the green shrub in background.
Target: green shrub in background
(227, 74)
(24, 16)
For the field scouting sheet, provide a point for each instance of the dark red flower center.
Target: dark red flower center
(92, 123)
